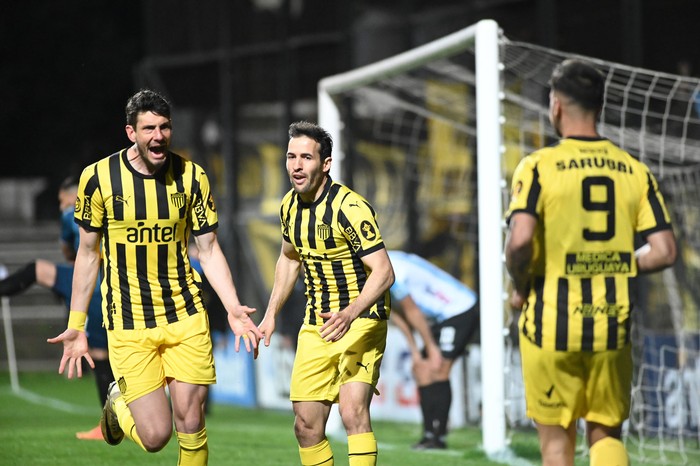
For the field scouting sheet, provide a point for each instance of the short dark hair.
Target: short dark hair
(315, 132)
(581, 82)
(146, 100)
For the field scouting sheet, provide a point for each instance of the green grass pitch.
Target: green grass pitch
(37, 427)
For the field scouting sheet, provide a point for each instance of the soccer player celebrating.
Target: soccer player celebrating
(333, 232)
(141, 204)
(575, 209)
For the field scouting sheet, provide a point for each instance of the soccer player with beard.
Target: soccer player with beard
(141, 204)
(332, 232)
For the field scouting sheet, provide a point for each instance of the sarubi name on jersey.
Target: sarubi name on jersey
(594, 162)
(154, 234)
(590, 263)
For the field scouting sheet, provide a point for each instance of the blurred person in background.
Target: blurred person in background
(139, 207)
(58, 277)
(332, 231)
(575, 209)
(444, 312)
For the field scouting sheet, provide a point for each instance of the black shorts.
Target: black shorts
(453, 335)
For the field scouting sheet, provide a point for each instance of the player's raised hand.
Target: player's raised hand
(75, 347)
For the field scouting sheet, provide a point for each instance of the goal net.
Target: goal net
(432, 136)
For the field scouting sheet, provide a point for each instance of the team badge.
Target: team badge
(367, 230)
(323, 231)
(178, 199)
(77, 204)
(212, 206)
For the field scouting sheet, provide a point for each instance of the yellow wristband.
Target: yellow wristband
(76, 320)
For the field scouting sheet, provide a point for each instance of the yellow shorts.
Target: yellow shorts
(561, 387)
(143, 359)
(321, 367)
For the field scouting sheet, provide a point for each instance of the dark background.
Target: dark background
(68, 67)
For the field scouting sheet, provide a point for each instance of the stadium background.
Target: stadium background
(239, 72)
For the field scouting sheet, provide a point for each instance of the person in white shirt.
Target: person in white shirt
(444, 312)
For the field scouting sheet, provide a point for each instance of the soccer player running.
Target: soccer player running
(331, 231)
(427, 293)
(141, 204)
(575, 209)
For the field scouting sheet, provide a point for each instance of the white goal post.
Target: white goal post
(491, 294)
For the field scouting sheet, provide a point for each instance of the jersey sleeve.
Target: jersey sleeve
(653, 215)
(525, 189)
(203, 214)
(359, 224)
(89, 206)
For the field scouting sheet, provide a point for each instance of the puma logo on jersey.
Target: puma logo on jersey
(364, 366)
(353, 204)
(122, 199)
(549, 392)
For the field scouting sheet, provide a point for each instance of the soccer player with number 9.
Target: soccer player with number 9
(575, 210)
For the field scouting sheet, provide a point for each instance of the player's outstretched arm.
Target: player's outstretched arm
(217, 271)
(75, 347)
(286, 275)
(87, 265)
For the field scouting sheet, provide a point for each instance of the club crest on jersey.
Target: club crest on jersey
(178, 199)
(212, 206)
(77, 204)
(368, 231)
(323, 231)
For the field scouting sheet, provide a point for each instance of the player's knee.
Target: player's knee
(307, 432)
(155, 440)
(355, 417)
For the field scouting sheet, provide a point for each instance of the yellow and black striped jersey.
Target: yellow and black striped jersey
(331, 236)
(590, 198)
(146, 222)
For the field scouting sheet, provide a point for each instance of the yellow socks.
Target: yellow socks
(194, 450)
(317, 455)
(362, 449)
(609, 452)
(126, 421)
